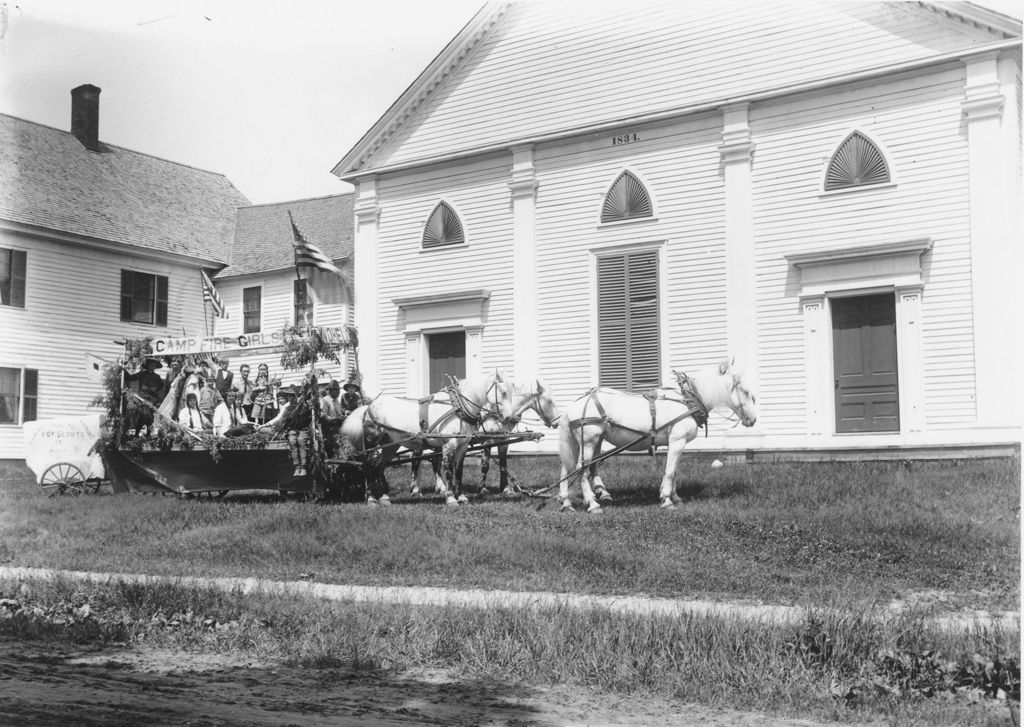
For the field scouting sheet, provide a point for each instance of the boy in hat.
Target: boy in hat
(332, 414)
(353, 396)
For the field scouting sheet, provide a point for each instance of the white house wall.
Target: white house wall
(72, 308)
(278, 310)
(916, 121)
(678, 165)
(479, 194)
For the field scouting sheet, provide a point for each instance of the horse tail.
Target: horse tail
(568, 447)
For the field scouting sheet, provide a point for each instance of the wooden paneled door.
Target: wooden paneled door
(864, 354)
(447, 354)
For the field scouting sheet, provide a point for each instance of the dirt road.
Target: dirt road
(121, 687)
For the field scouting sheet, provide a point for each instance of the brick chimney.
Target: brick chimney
(85, 115)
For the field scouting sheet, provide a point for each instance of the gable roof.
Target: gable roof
(48, 179)
(263, 233)
(526, 71)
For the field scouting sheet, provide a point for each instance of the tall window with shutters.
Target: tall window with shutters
(629, 341)
(12, 277)
(143, 298)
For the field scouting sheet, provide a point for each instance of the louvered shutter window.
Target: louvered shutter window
(629, 351)
(856, 163)
(443, 228)
(626, 200)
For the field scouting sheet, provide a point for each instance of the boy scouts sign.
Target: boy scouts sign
(220, 344)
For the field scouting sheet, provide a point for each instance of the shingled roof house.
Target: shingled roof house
(598, 194)
(261, 289)
(97, 243)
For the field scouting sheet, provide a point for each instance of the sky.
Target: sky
(270, 95)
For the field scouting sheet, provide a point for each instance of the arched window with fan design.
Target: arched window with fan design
(443, 228)
(857, 162)
(626, 200)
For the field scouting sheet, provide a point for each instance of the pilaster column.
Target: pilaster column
(993, 166)
(910, 363)
(741, 313)
(525, 326)
(817, 364)
(367, 218)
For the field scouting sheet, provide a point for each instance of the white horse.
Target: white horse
(669, 416)
(436, 423)
(525, 395)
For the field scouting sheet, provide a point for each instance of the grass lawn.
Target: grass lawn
(802, 534)
(852, 536)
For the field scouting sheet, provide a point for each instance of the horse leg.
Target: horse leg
(677, 440)
(414, 486)
(569, 454)
(602, 492)
(485, 466)
(589, 450)
(506, 488)
(448, 472)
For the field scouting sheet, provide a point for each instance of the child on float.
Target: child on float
(294, 417)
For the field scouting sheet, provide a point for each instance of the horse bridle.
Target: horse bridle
(531, 401)
(483, 411)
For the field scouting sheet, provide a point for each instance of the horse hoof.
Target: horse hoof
(371, 502)
(603, 496)
(567, 507)
(462, 499)
(451, 502)
(667, 504)
(595, 509)
(508, 492)
(415, 492)
(385, 500)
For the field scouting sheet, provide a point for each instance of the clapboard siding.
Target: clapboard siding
(278, 311)
(678, 165)
(917, 123)
(479, 194)
(72, 308)
(560, 65)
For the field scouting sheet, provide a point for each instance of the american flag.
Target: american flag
(309, 255)
(211, 296)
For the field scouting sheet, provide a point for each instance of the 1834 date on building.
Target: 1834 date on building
(624, 139)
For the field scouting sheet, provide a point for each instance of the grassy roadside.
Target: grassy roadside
(803, 534)
(850, 667)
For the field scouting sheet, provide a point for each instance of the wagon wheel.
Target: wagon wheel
(61, 478)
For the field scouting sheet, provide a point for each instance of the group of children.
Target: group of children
(207, 398)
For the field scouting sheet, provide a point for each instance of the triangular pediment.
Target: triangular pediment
(526, 72)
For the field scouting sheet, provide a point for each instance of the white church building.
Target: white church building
(594, 195)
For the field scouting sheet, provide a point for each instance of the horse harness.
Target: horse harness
(460, 408)
(695, 408)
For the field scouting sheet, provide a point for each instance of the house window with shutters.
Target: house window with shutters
(856, 163)
(143, 298)
(252, 309)
(303, 304)
(626, 200)
(443, 228)
(629, 350)
(18, 395)
(12, 277)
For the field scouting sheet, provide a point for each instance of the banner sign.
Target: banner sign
(244, 342)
